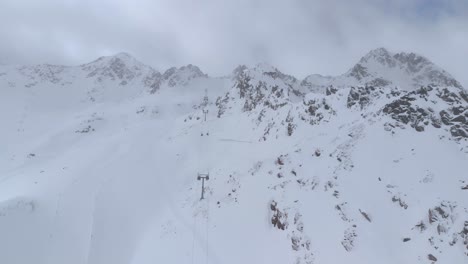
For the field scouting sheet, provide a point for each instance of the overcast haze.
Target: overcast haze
(299, 37)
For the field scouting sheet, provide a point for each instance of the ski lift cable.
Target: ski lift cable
(193, 235)
(207, 225)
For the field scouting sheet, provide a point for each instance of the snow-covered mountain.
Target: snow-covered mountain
(379, 67)
(100, 164)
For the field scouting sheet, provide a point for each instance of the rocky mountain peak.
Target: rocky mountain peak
(412, 61)
(407, 70)
(121, 66)
(121, 58)
(382, 68)
(262, 71)
(264, 67)
(239, 70)
(264, 85)
(183, 75)
(379, 55)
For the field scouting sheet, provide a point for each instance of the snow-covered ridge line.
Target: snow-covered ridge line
(378, 67)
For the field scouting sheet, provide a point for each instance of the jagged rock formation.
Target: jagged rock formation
(183, 75)
(381, 68)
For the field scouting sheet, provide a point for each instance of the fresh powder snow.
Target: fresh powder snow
(99, 164)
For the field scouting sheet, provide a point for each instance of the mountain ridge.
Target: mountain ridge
(379, 67)
(407, 70)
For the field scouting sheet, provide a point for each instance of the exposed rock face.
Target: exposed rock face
(330, 90)
(403, 111)
(413, 62)
(279, 219)
(222, 104)
(263, 86)
(124, 70)
(431, 257)
(44, 73)
(419, 69)
(416, 108)
(183, 75)
(153, 81)
(379, 68)
(379, 55)
(362, 96)
(359, 72)
(121, 67)
(464, 237)
(440, 225)
(349, 238)
(378, 82)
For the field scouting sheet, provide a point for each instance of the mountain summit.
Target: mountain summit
(122, 67)
(407, 70)
(379, 67)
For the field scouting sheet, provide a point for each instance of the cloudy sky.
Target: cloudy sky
(299, 37)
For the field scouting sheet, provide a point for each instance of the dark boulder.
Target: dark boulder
(459, 119)
(459, 131)
(330, 90)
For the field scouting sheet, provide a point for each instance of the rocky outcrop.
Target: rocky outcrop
(44, 73)
(262, 86)
(416, 108)
(279, 219)
(358, 72)
(362, 96)
(182, 76)
(441, 226)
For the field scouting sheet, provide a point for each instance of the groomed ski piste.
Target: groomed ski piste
(100, 164)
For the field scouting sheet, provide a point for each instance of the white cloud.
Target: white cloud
(299, 37)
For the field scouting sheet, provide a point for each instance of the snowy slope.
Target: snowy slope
(101, 164)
